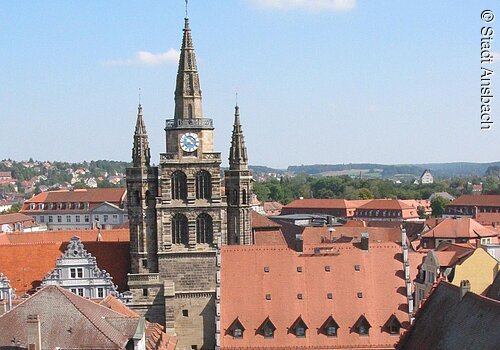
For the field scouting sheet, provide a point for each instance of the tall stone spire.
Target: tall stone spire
(140, 153)
(238, 159)
(187, 91)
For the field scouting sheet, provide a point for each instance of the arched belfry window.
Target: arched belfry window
(180, 233)
(179, 185)
(204, 229)
(203, 185)
(244, 195)
(190, 111)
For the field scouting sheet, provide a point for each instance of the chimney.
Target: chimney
(364, 241)
(34, 334)
(464, 288)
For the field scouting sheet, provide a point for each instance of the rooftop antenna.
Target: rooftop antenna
(186, 8)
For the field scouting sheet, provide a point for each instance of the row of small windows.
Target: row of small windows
(80, 291)
(327, 268)
(203, 185)
(299, 328)
(204, 229)
(70, 205)
(77, 218)
(300, 296)
(378, 213)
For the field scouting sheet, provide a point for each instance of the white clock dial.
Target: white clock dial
(189, 142)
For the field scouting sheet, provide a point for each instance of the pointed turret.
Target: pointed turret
(238, 159)
(187, 91)
(140, 152)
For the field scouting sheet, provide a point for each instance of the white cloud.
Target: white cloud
(148, 58)
(312, 5)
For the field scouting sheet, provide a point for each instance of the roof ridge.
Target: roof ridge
(63, 292)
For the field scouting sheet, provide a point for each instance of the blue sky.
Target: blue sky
(319, 81)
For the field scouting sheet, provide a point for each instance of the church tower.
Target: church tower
(142, 188)
(238, 184)
(190, 210)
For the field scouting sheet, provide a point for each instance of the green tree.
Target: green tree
(438, 204)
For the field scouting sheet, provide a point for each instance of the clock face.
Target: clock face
(189, 142)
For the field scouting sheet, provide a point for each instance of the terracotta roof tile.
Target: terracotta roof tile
(262, 221)
(244, 285)
(459, 228)
(15, 217)
(382, 204)
(25, 258)
(492, 200)
(91, 195)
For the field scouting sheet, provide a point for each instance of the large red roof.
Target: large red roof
(485, 200)
(318, 203)
(26, 258)
(90, 195)
(245, 284)
(459, 228)
(386, 204)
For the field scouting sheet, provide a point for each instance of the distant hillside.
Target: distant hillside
(438, 169)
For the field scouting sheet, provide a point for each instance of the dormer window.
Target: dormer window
(393, 326)
(329, 327)
(32, 206)
(362, 326)
(299, 328)
(236, 329)
(266, 329)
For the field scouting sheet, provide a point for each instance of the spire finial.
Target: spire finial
(186, 8)
(236, 98)
(139, 96)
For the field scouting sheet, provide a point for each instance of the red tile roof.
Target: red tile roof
(14, 218)
(262, 221)
(245, 284)
(116, 305)
(386, 204)
(68, 321)
(25, 258)
(491, 200)
(91, 195)
(317, 203)
(459, 228)
(313, 236)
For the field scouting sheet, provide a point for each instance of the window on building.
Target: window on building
(100, 292)
(362, 326)
(185, 312)
(266, 329)
(105, 219)
(357, 267)
(144, 263)
(266, 268)
(178, 185)
(42, 219)
(327, 268)
(203, 185)
(244, 196)
(59, 218)
(393, 325)
(77, 218)
(268, 296)
(73, 290)
(236, 329)
(299, 268)
(299, 328)
(360, 295)
(115, 218)
(51, 219)
(145, 292)
(299, 296)
(204, 229)
(329, 295)
(180, 233)
(68, 218)
(87, 218)
(235, 197)
(80, 292)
